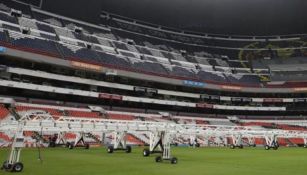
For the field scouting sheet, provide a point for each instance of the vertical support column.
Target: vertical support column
(166, 154)
(225, 141)
(271, 142)
(305, 142)
(155, 143)
(13, 164)
(166, 146)
(193, 141)
(206, 141)
(61, 138)
(251, 141)
(103, 138)
(236, 141)
(79, 139)
(119, 142)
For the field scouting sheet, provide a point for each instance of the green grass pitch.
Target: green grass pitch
(198, 161)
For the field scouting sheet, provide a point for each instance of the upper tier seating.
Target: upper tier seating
(24, 8)
(48, 19)
(4, 8)
(28, 23)
(250, 79)
(211, 76)
(45, 27)
(147, 66)
(8, 18)
(40, 45)
(150, 45)
(2, 36)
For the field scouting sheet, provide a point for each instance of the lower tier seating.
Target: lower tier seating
(4, 112)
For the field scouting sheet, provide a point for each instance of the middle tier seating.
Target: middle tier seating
(52, 111)
(85, 114)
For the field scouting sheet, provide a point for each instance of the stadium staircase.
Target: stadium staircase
(14, 113)
(133, 139)
(94, 137)
(142, 137)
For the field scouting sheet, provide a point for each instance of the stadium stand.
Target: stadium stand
(130, 65)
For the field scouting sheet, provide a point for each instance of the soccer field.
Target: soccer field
(198, 161)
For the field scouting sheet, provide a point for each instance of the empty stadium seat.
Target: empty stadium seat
(120, 117)
(83, 114)
(4, 112)
(52, 111)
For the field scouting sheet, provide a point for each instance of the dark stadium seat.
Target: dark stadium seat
(182, 72)
(120, 46)
(3, 36)
(45, 27)
(24, 8)
(10, 27)
(113, 60)
(211, 76)
(80, 53)
(4, 8)
(38, 44)
(8, 18)
(49, 37)
(244, 79)
(150, 67)
(48, 19)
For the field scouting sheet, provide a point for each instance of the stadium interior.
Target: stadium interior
(124, 69)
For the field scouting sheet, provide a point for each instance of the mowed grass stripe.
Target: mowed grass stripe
(199, 161)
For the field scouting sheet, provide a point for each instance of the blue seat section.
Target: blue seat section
(212, 76)
(87, 38)
(44, 27)
(40, 45)
(10, 27)
(8, 18)
(148, 41)
(127, 54)
(2, 36)
(113, 60)
(50, 37)
(150, 67)
(26, 10)
(244, 79)
(79, 52)
(92, 56)
(182, 72)
(143, 50)
(120, 46)
(48, 19)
